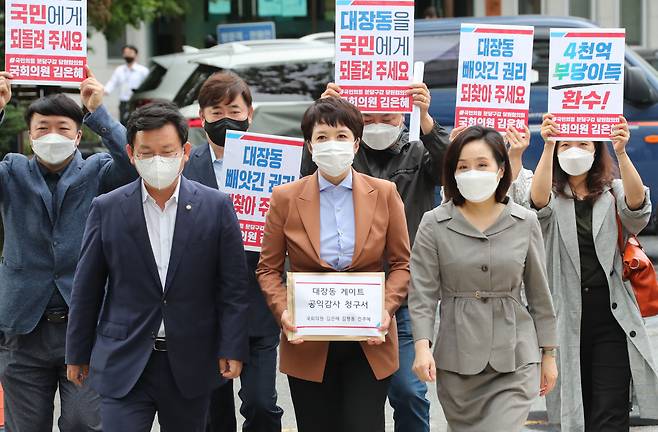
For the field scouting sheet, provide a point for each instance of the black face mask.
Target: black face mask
(129, 59)
(217, 130)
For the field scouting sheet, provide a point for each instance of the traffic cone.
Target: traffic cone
(2, 409)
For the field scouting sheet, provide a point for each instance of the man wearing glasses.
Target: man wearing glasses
(158, 308)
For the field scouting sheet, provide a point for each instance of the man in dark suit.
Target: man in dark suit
(226, 104)
(44, 202)
(159, 306)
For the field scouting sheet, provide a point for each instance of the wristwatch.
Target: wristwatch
(550, 351)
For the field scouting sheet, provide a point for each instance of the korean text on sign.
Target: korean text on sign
(493, 83)
(374, 53)
(46, 41)
(335, 305)
(586, 81)
(253, 165)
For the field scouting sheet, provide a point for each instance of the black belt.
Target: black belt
(57, 317)
(160, 344)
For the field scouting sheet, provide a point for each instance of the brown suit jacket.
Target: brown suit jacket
(293, 227)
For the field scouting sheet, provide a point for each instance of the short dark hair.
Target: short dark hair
(495, 142)
(221, 87)
(600, 175)
(57, 104)
(154, 116)
(132, 47)
(332, 111)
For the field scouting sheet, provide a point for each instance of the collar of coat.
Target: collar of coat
(458, 223)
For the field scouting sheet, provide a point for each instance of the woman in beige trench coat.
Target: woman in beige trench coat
(474, 253)
(604, 343)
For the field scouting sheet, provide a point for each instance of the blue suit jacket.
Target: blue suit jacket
(261, 322)
(199, 168)
(118, 302)
(39, 249)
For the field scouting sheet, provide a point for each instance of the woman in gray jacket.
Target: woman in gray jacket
(474, 253)
(604, 343)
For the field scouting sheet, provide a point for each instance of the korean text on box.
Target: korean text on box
(336, 305)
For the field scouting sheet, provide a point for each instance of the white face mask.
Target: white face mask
(575, 161)
(380, 136)
(477, 186)
(333, 157)
(159, 172)
(53, 148)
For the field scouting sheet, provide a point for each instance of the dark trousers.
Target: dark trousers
(31, 370)
(349, 399)
(407, 394)
(257, 392)
(604, 365)
(221, 415)
(155, 391)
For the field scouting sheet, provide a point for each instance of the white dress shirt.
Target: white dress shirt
(160, 225)
(217, 167)
(127, 79)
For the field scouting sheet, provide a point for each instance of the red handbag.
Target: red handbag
(638, 269)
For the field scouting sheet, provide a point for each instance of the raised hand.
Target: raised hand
(549, 128)
(518, 143)
(91, 91)
(620, 136)
(333, 90)
(5, 89)
(454, 133)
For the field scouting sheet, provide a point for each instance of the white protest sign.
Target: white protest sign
(253, 165)
(374, 53)
(586, 81)
(493, 82)
(336, 305)
(46, 41)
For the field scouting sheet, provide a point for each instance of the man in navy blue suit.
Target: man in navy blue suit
(225, 103)
(158, 309)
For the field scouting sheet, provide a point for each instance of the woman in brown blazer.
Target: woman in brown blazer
(336, 220)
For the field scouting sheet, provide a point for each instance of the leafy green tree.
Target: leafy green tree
(112, 16)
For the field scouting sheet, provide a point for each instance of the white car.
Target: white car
(178, 77)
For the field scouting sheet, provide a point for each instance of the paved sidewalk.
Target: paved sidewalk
(436, 414)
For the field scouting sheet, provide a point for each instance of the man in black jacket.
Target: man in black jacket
(415, 168)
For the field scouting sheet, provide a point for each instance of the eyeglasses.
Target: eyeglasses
(166, 155)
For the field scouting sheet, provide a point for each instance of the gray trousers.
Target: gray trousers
(32, 369)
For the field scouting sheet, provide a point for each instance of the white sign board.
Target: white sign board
(493, 82)
(586, 82)
(46, 41)
(253, 165)
(374, 53)
(336, 305)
